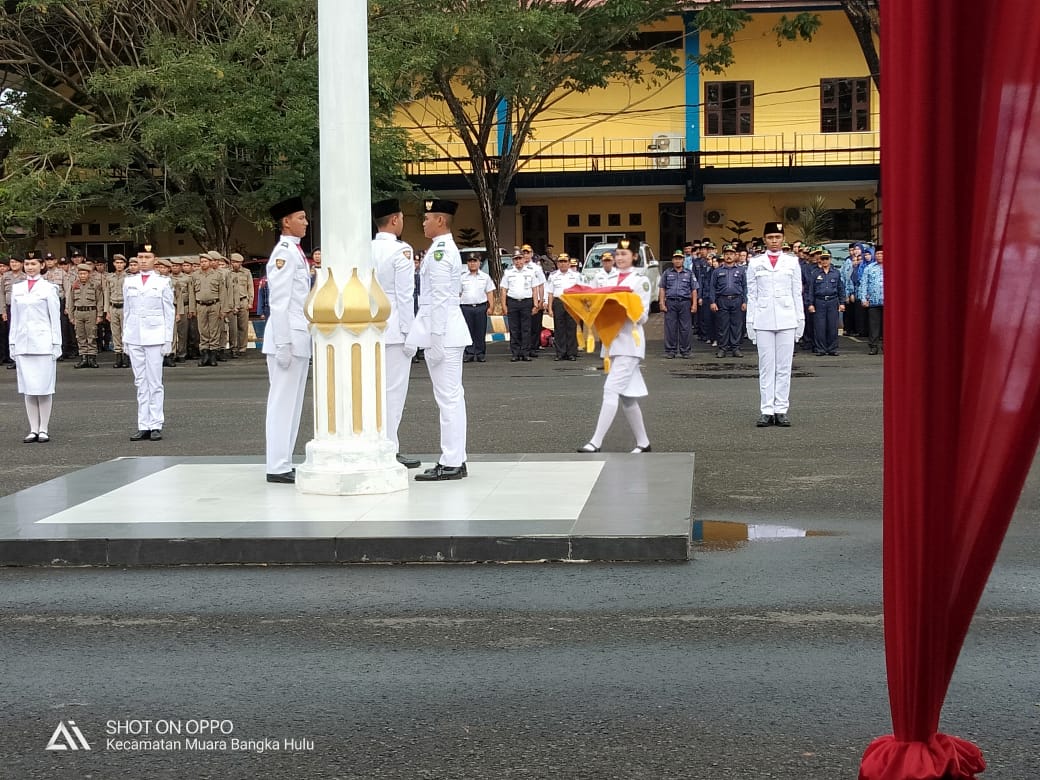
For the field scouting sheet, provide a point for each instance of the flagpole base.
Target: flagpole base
(341, 468)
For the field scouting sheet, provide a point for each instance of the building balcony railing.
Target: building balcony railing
(788, 150)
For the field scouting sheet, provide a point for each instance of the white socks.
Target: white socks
(606, 417)
(38, 409)
(634, 415)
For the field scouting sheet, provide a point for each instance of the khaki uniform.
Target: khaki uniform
(7, 282)
(240, 285)
(113, 288)
(207, 294)
(181, 300)
(86, 304)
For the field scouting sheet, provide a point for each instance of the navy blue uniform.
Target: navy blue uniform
(679, 288)
(728, 290)
(808, 272)
(826, 293)
(702, 272)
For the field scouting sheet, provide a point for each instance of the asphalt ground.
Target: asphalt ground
(755, 660)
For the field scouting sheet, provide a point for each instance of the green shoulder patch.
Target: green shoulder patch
(646, 285)
(438, 254)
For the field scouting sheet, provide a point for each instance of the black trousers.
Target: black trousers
(519, 311)
(565, 334)
(5, 332)
(875, 325)
(859, 320)
(730, 320)
(825, 326)
(476, 318)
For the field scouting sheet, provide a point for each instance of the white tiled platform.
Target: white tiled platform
(140, 511)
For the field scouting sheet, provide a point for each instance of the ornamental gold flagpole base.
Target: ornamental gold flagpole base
(350, 453)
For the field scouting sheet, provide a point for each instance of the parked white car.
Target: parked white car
(644, 260)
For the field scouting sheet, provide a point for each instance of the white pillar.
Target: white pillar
(350, 454)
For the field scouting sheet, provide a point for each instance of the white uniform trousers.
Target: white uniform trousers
(445, 367)
(398, 371)
(284, 409)
(146, 362)
(775, 355)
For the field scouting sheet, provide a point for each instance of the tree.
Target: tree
(520, 58)
(177, 113)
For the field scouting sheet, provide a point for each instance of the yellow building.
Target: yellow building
(685, 158)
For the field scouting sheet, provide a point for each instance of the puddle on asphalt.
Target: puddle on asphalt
(725, 535)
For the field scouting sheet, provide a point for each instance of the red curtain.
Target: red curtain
(960, 121)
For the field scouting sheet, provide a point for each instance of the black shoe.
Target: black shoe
(515, 359)
(179, 359)
(721, 353)
(782, 421)
(571, 357)
(288, 478)
(83, 363)
(684, 355)
(93, 361)
(467, 359)
(526, 359)
(639, 450)
(119, 361)
(219, 355)
(11, 366)
(42, 437)
(669, 355)
(481, 359)
(818, 353)
(737, 353)
(440, 473)
(764, 421)
(141, 436)
(167, 362)
(408, 462)
(155, 435)
(587, 448)
(833, 354)
(31, 438)
(872, 351)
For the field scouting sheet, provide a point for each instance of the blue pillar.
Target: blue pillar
(692, 49)
(505, 135)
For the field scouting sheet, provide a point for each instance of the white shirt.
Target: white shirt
(439, 321)
(518, 282)
(774, 300)
(476, 286)
(605, 278)
(35, 318)
(148, 310)
(395, 272)
(288, 285)
(562, 280)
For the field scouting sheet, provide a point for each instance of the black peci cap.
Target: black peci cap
(285, 208)
(440, 207)
(384, 208)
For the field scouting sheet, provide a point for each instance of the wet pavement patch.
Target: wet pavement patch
(727, 535)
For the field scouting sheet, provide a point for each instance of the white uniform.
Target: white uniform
(148, 318)
(395, 272)
(629, 346)
(475, 287)
(775, 320)
(441, 331)
(35, 335)
(605, 278)
(286, 336)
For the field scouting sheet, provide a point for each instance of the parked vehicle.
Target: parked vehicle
(505, 258)
(644, 260)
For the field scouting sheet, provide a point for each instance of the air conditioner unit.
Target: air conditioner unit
(667, 142)
(792, 214)
(714, 217)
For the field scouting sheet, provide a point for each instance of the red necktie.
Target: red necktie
(31, 283)
(144, 279)
(773, 259)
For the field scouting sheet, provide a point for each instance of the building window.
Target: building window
(635, 219)
(76, 229)
(613, 220)
(593, 220)
(573, 220)
(844, 105)
(113, 228)
(729, 107)
(94, 229)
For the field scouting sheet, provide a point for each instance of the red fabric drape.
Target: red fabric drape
(960, 120)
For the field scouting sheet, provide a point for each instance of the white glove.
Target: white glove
(799, 331)
(410, 351)
(167, 348)
(283, 355)
(56, 351)
(753, 335)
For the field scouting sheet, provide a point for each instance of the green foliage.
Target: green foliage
(468, 58)
(816, 223)
(738, 228)
(468, 237)
(176, 113)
